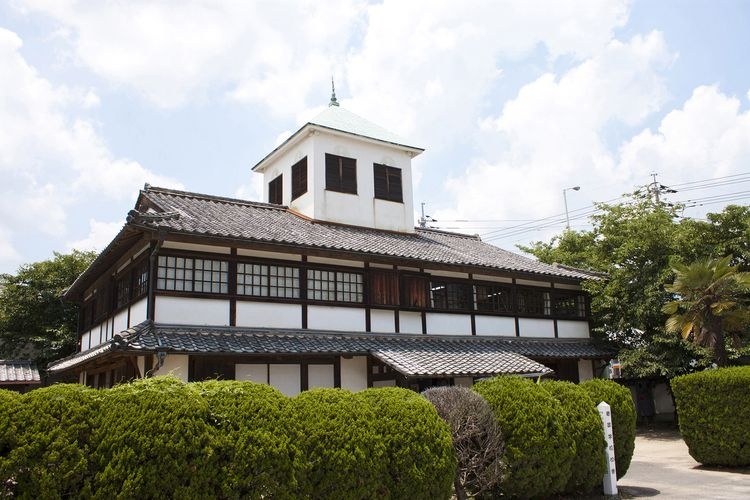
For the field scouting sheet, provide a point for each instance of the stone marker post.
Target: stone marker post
(610, 476)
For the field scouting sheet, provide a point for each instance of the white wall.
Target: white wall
(120, 322)
(354, 373)
(585, 370)
(175, 365)
(350, 319)
(319, 376)
(244, 252)
(85, 339)
(382, 321)
(572, 329)
(286, 378)
(254, 372)
(195, 247)
(409, 322)
(448, 324)
(191, 311)
(495, 325)
(138, 312)
(283, 165)
(384, 383)
(533, 283)
(463, 381)
(536, 327)
(269, 314)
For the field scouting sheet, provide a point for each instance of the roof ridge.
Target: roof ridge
(212, 197)
(448, 233)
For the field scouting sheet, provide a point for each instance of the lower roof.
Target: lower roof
(409, 354)
(18, 371)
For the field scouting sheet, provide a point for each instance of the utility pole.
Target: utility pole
(654, 188)
(425, 218)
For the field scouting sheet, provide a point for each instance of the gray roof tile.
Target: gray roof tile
(15, 371)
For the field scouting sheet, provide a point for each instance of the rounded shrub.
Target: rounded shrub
(49, 456)
(253, 445)
(339, 450)
(623, 418)
(417, 461)
(154, 438)
(8, 432)
(585, 426)
(477, 439)
(539, 450)
(714, 415)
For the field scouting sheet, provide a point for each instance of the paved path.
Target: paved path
(662, 468)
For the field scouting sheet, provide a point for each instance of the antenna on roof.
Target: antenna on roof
(333, 102)
(425, 218)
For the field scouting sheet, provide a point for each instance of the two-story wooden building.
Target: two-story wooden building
(328, 284)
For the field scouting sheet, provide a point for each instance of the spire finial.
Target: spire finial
(333, 102)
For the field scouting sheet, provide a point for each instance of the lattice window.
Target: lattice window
(334, 286)
(494, 298)
(451, 295)
(262, 280)
(184, 274)
(140, 286)
(122, 290)
(535, 302)
(569, 305)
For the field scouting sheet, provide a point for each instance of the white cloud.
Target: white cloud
(50, 157)
(100, 234)
(553, 132)
(253, 190)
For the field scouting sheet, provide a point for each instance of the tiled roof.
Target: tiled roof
(251, 221)
(14, 371)
(409, 354)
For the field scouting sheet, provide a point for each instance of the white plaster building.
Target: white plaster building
(327, 284)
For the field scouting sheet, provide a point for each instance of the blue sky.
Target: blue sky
(513, 100)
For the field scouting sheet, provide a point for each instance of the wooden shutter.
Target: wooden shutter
(415, 291)
(333, 180)
(395, 192)
(387, 183)
(384, 288)
(299, 178)
(341, 174)
(275, 191)
(381, 181)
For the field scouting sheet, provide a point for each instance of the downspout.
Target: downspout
(152, 275)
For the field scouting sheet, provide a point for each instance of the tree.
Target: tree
(711, 302)
(34, 321)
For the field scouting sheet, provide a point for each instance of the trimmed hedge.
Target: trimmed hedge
(9, 401)
(623, 418)
(51, 451)
(585, 427)
(156, 437)
(714, 414)
(539, 449)
(418, 461)
(253, 446)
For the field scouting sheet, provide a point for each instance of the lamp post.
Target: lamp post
(565, 198)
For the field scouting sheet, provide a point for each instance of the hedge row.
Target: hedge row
(714, 412)
(553, 434)
(161, 437)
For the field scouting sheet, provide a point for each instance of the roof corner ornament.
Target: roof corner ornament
(333, 102)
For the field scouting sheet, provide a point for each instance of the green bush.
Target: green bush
(50, 453)
(418, 461)
(623, 418)
(9, 401)
(585, 426)
(253, 445)
(155, 439)
(339, 451)
(539, 450)
(714, 413)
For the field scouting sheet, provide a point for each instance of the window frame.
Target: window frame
(388, 175)
(299, 178)
(336, 174)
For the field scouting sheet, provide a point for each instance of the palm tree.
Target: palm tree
(711, 302)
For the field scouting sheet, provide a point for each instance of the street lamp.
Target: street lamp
(565, 198)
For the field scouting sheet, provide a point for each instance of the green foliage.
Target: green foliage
(33, 316)
(585, 427)
(339, 450)
(155, 438)
(714, 410)
(539, 449)
(9, 401)
(712, 301)
(418, 460)
(623, 418)
(255, 453)
(51, 450)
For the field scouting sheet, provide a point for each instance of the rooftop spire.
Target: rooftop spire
(333, 102)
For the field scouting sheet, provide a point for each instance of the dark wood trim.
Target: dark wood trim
(337, 371)
(369, 371)
(424, 322)
(396, 322)
(148, 364)
(303, 373)
(232, 287)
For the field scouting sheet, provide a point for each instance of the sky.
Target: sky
(514, 102)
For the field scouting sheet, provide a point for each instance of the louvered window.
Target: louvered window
(341, 174)
(299, 178)
(415, 291)
(275, 191)
(384, 288)
(388, 183)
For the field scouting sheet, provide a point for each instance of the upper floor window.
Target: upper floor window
(299, 178)
(341, 174)
(494, 298)
(122, 290)
(451, 295)
(140, 281)
(537, 302)
(262, 280)
(185, 274)
(275, 191)
(335, 286)
(388, 183)
(569, 305)
(415, 291)
(384, 288)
